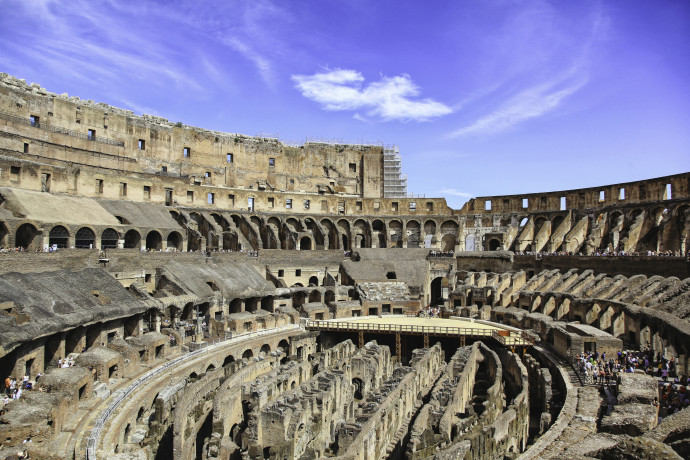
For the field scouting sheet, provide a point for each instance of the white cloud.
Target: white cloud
(455, 192)
(391, 98)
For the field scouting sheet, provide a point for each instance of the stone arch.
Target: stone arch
(305, 243)
(109, 238)
(284, 345)
(430, 227)
(174, 241)
(154, 241)
(313, 281)
(332, 233)
(4, 235)
(228, 360)
(344, 231)
(413, 233)
(25, 237)
(248, 354)
(58, 236)
(437, 290)
(538, 223)
(378, 232)
(395, 230)
(265, 349)
(494, 244)
(273, 238)
(132, 239)
(315, 296)
(85, 238)
(317, 234)
(361, 234)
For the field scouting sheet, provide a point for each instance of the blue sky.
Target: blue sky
(483, 97)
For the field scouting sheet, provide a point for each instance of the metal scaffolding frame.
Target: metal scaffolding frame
(394, 181)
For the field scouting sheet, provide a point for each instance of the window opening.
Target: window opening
(525, 203)
(186, 152)
(142, 144)
(288, 203)
(487, 205)
(190, 196)
(92, 134)
(228, 157)
(563, 203)
(210, 198)
(147, 192)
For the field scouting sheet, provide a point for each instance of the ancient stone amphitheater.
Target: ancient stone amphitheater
(172, 292)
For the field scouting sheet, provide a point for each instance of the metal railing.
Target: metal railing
(512, 339)
(56, 129)
(121, 395)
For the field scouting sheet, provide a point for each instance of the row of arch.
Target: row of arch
(30, 237)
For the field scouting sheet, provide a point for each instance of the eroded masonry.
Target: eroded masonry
(172, 292)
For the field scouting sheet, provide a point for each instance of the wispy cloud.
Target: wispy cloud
(544, 66)
(455, 192)
(530, 103)
(390, 98)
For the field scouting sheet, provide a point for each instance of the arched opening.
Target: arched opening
(396, 234)
(154, 241)
(265, 349)
(174, 241)
(3, 235)
(437, 291)
(494, 245)
(284, 346)
(26, 237)
(228, 360)
(109, 239)
(235, 306)
(58, 237)
(314, 296)
(210, 368)
(132, 240)
(313, 281)
(248, 354)
(359, 388)
(85, 238)
(305, 243)
(413, 232)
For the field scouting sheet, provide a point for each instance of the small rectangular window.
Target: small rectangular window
(34, 121)
(377, 205)
(341, 207)
(487, 205)
(306, 204)
(525, 203)
(123, 188)
(359, 205)
(602, 195)
(186, 152)
(207, 174)
(14, 173)
(231, 200)
(621, 194)
(413, 206)
(353, 167)
(190, 196)
(26, 147)
(271, 202)
(211, 198)
(99, 186)
(394, 206)
(92, 134)
(668, 193)
(288, 203)
(298, 272)
(324, 205)
(164, 169)
(271, 162)
(281, 273)
(429, 205)
(563, 203)
(147, 192)
(142, 144)
(229, 158)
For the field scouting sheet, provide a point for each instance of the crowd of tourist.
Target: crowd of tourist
(442, 253)
(599, 369)
(604, 253)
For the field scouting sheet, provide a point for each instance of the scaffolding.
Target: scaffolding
(394, 181)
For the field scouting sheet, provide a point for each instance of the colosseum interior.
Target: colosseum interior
(169, 292)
